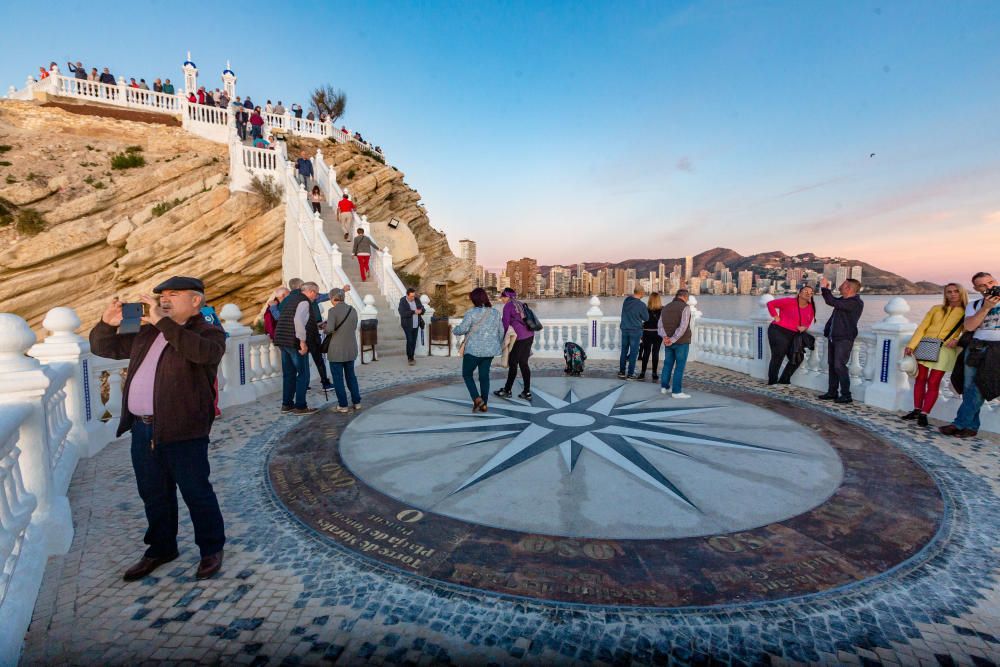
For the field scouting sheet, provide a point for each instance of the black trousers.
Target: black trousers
(411, 334)
(650, 346)
(317, 357)
(518, 359)
(838, 356)
(159, 472)
(780, 341)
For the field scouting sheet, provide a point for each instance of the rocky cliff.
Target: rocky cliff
(381, 193)
(109, 232)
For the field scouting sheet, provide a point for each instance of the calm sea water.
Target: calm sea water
(736, 307)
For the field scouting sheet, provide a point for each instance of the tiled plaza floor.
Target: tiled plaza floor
(287, 597)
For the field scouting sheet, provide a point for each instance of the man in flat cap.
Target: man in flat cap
(168, 406)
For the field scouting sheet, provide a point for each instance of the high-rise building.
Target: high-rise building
(480, 275)
(467, 251)
(603, 282)
(856, 272)
(688, 266)
(744, 282)
(560, 281)
(581, 268)
(843, 273)
(522, 274)
(621, 276)
(830, 271)
(662, 270)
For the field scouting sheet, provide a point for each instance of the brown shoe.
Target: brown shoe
(144, 567)
(477, 404)
(304, 412)
(949, 429)
(966, 433)
(209, 565)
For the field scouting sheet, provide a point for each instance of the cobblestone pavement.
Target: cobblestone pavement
(285, 597)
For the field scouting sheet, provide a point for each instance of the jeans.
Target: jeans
(972, 402)
(256, 131)
(159, 472)
(837, 357)
(780, 341)
(339, 370)
(674, 360)
(650, 346)
(294, 377)
(470, 363)
(241, 130)
(630, 351)
(303, 179)
(518, 358)
(411, 334)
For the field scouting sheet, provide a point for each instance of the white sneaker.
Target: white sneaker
(663, 390)
(681, 395)
(342, 409)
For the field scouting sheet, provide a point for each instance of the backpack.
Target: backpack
(574, 356)
(530, 321)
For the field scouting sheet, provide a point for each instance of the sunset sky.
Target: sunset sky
(608, 131)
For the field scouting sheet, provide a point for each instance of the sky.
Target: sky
(591, 131)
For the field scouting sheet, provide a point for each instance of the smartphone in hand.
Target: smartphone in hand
(131, 318)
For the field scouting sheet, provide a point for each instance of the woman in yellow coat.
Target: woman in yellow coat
(943, 323)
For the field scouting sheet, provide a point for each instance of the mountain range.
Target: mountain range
(875, 280)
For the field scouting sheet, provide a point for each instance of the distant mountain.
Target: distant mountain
(875, 280)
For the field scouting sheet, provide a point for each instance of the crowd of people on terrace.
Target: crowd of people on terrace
(181, 339)
(252, 115)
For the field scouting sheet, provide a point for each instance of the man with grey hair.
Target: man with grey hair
(296, 326)
(168, 407)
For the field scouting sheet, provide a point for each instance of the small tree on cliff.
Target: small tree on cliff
(330, 101)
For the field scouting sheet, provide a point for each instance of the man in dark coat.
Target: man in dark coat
(410, 310)
(168, 405)
(840, 331)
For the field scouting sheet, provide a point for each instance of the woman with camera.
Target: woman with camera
(935, 347)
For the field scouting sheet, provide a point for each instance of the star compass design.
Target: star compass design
(597, 424)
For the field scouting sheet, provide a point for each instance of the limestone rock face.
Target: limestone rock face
(103, 239)
(381, 193)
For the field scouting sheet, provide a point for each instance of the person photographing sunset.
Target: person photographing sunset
(840, 331)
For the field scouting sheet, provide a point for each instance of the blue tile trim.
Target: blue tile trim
(886, 347)
(243, 366)
(760, 342)
(86, 389)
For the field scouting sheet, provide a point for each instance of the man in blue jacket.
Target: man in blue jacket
(634, 315)
(304, 169)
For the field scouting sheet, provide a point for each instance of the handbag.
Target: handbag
(461, 346)
(324, 347)
(929, 349)
(530, 321)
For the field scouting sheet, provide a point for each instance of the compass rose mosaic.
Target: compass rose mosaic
(602, 492)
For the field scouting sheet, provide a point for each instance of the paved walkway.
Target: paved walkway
(287, 597)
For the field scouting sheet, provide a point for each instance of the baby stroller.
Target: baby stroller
(574, 356)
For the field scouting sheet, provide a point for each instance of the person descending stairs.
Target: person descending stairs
(391, 341)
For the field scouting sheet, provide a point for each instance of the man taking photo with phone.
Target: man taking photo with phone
(980, 373)
(168, 402)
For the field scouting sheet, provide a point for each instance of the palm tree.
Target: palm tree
(330, 101)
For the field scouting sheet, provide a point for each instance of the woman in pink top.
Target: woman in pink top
(791, 316)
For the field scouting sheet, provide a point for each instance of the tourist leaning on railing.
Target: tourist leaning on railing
(935, 346)
(78, 70)
(788, 335)
(168, 88)
(168, 407)
(977, 378)
(483, 330)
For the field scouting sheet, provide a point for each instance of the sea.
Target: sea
(732, 307)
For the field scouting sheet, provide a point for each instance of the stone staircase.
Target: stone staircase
(391, 341)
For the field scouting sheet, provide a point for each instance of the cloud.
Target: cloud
(685, 164)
